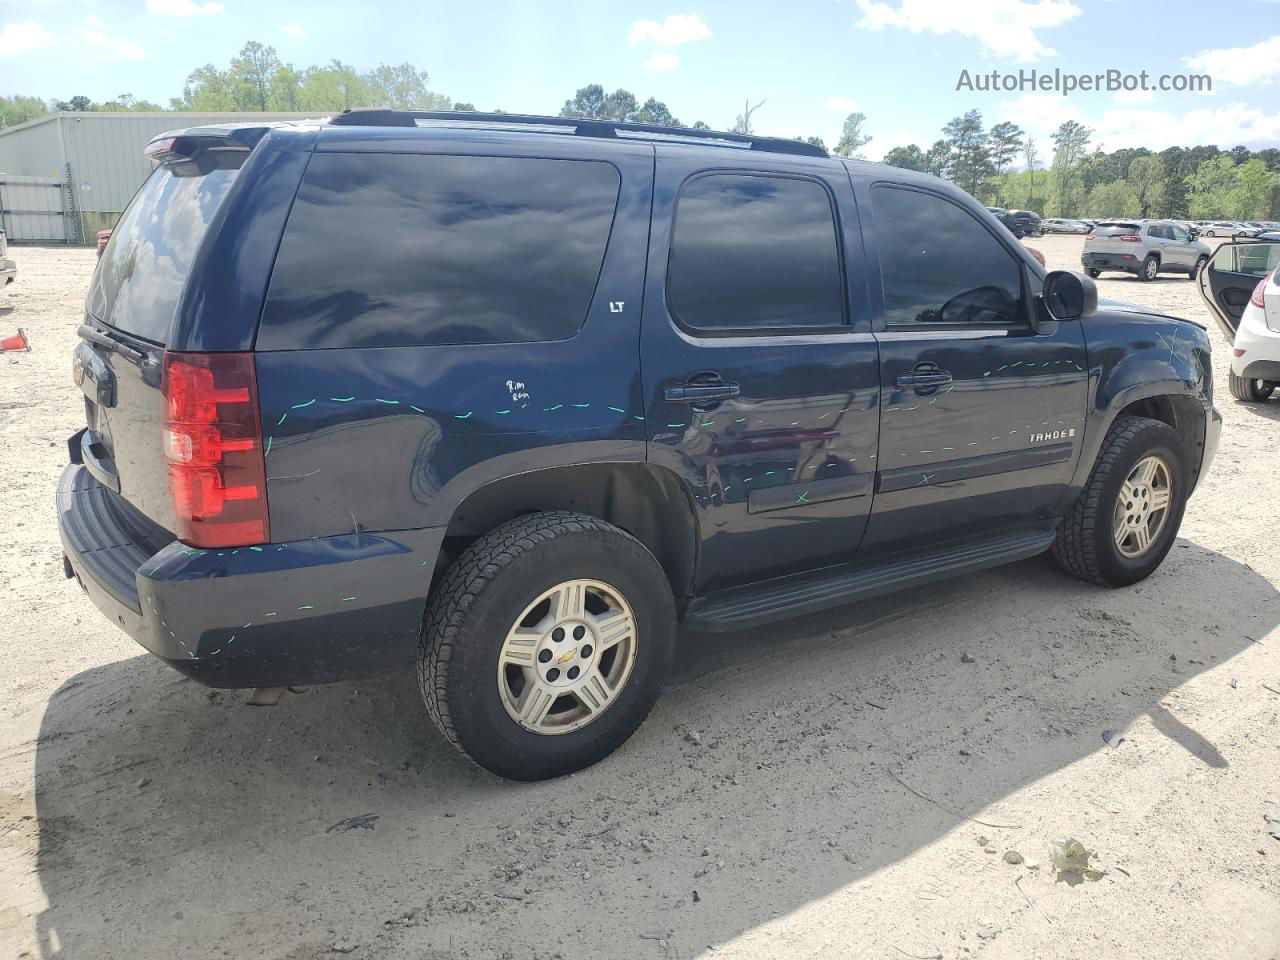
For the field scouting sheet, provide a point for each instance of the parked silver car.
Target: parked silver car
(1229, 228)
(1058, 225)
(1143, 247)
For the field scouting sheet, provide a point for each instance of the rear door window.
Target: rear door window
(404, 249)
(142, 271)
(754, 254)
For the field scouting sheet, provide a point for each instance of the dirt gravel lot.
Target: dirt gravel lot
(772, 806)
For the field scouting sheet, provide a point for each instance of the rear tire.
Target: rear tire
(542, 714)
(1095, 274)
(1088, 544)
(1149, 269)
(1250, 390)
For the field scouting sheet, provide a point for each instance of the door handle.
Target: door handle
(701, 393)
(929, 378)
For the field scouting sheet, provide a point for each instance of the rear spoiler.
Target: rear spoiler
(185, 144)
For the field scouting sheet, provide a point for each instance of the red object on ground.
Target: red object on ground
(103, 237)
(16, 342)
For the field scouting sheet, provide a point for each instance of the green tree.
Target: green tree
(1070, 141)
(1209, 187)
(403, 87)
(1031, 154)
(938, 159)
(657, 112)
(15, 110)
(1115, 198)
(1146, 178)
(1005, 143)
(464, 107)
(208, 90)
(1250, 199)
(250, 75)
(910, 157)
(588, 102)
(333, 88)
(285, 91)
(852, 139)
(971, 162)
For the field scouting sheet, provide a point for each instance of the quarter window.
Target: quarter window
(939, 265)
(755, 254)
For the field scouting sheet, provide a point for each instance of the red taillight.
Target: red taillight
(1090, 236)
(1129, 238)
(213, 449)
(1258, 297)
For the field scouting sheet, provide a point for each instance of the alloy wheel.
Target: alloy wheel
(567, 657)
(1142, 507)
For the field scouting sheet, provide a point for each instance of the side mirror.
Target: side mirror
(1069, 295)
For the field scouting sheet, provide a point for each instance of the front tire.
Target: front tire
(1249, 390)
(1210, 234)
(546, 644)
(1195, 271)
(1094, 273)
(1127, 517)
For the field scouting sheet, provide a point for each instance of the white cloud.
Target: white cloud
(1259, 63)
(106, 47)
(18, 38)
(1226, 126)
(1133, 96)
(94, 21)
(184, 8)
(678, 28)
(294, 30)
(842, 104)
(1005, 28)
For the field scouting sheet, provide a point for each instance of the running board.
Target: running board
(757, 603)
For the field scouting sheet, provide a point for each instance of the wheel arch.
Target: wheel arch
(649, 502)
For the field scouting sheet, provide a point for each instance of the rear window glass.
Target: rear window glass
(145, 265)
(401, 250)
(1115, 229)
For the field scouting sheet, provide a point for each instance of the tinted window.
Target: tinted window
(939, 265)
(397, 250)
(754, 253)
(142, 271)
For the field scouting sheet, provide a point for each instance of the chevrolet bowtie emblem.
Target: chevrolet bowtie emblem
(567, 655)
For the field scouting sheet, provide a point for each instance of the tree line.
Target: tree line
(1181, 183)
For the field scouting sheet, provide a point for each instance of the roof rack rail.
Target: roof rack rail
(579, 126)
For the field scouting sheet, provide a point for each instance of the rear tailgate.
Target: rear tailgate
(129, 314)
(1105, 238)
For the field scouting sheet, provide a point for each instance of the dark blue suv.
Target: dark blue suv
(518, 395)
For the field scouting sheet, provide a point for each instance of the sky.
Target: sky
(810, 61)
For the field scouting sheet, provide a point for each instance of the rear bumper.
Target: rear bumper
(1111, 261)
(280, 614)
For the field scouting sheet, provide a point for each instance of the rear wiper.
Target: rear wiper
(102, 340)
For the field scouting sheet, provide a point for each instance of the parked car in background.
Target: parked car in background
(1239, 286)
(103, 237)
(8, 269)
(1228, 228)
(515, 396)
(1058, 225)
(1021, 223)
(1144, 248)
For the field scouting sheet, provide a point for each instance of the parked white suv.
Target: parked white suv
(1239, 286)
(1143, 247)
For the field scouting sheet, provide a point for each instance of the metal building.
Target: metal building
(65, 176)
